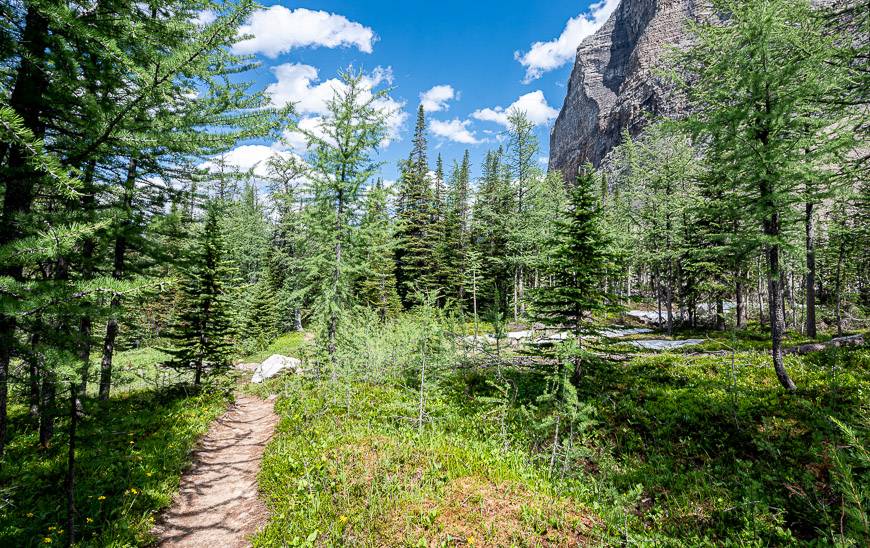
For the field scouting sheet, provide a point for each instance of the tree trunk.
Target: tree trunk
(297, 319)
(85, 352)
(658, 283)
(720, 315)
(88, 202)
(70, 467)
(839, 286)
(27, 100)
(118, 273)
(775, 299)
(811, 273)
(739, 297)
(46, 411)
(34, 376)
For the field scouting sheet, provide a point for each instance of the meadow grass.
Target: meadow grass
(677, 450)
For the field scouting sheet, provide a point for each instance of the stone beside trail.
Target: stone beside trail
(217, 504)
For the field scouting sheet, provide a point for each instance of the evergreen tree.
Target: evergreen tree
(577, 266)
(493, 208)
(456, 241)
(340, 167)
(415, 256)
(377, 283)
(202, 332)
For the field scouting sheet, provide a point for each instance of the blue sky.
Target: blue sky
(474, 58)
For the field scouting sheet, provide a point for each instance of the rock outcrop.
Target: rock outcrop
(613, 86)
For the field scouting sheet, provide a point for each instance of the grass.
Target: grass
(130, 454)
(289, 344)
(677, 450)
(367, 476)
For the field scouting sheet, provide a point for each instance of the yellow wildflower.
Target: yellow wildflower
(30, 514)
(46, 540)
(101, 497)
(89, 520)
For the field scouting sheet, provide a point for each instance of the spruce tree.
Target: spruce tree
(202, 333)
(577, 265)
(415, 268)
(377, 283)
(456, 240)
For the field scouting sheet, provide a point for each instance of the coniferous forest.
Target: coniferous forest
(667, 349)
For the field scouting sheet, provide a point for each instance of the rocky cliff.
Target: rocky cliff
(613, 86)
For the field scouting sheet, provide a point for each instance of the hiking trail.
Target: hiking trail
(217, 503)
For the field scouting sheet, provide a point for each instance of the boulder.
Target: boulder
(274, 365)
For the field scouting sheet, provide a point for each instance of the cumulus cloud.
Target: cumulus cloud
(245, 158)
(277, 30)
(534, 104)
(454, 130)
(436, 99)
(300, 85)
(546, 56)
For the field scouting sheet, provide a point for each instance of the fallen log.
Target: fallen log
(851, 340)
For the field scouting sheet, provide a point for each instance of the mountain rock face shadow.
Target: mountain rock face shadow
(613, 86)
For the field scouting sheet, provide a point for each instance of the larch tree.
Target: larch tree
(341, 165)
(755, 78)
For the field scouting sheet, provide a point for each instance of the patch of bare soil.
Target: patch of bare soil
(217, 504)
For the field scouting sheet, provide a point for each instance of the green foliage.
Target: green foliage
(577, 262)
(417, 235)
(202, 332)
(131, 453)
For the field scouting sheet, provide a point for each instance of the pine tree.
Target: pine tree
(377, 283)
(202, 332)
(577, 266)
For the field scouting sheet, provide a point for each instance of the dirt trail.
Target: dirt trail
(217, 504)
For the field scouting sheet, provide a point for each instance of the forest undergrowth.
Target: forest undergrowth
(675, 449)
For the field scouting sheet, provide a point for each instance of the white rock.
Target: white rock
(617, 332)
(519, 335)
(646, 315)
(662, 344)
(274, 365)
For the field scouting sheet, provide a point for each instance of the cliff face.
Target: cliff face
(613, 86)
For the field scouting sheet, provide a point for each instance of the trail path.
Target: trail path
(217, 504)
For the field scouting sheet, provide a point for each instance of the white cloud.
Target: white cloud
(294, 86)
(546, 56)
(205, 17)
(435, 100)
(246, 158)
(455, 130)
(298, 84)
(534, 104)
(277, 30)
